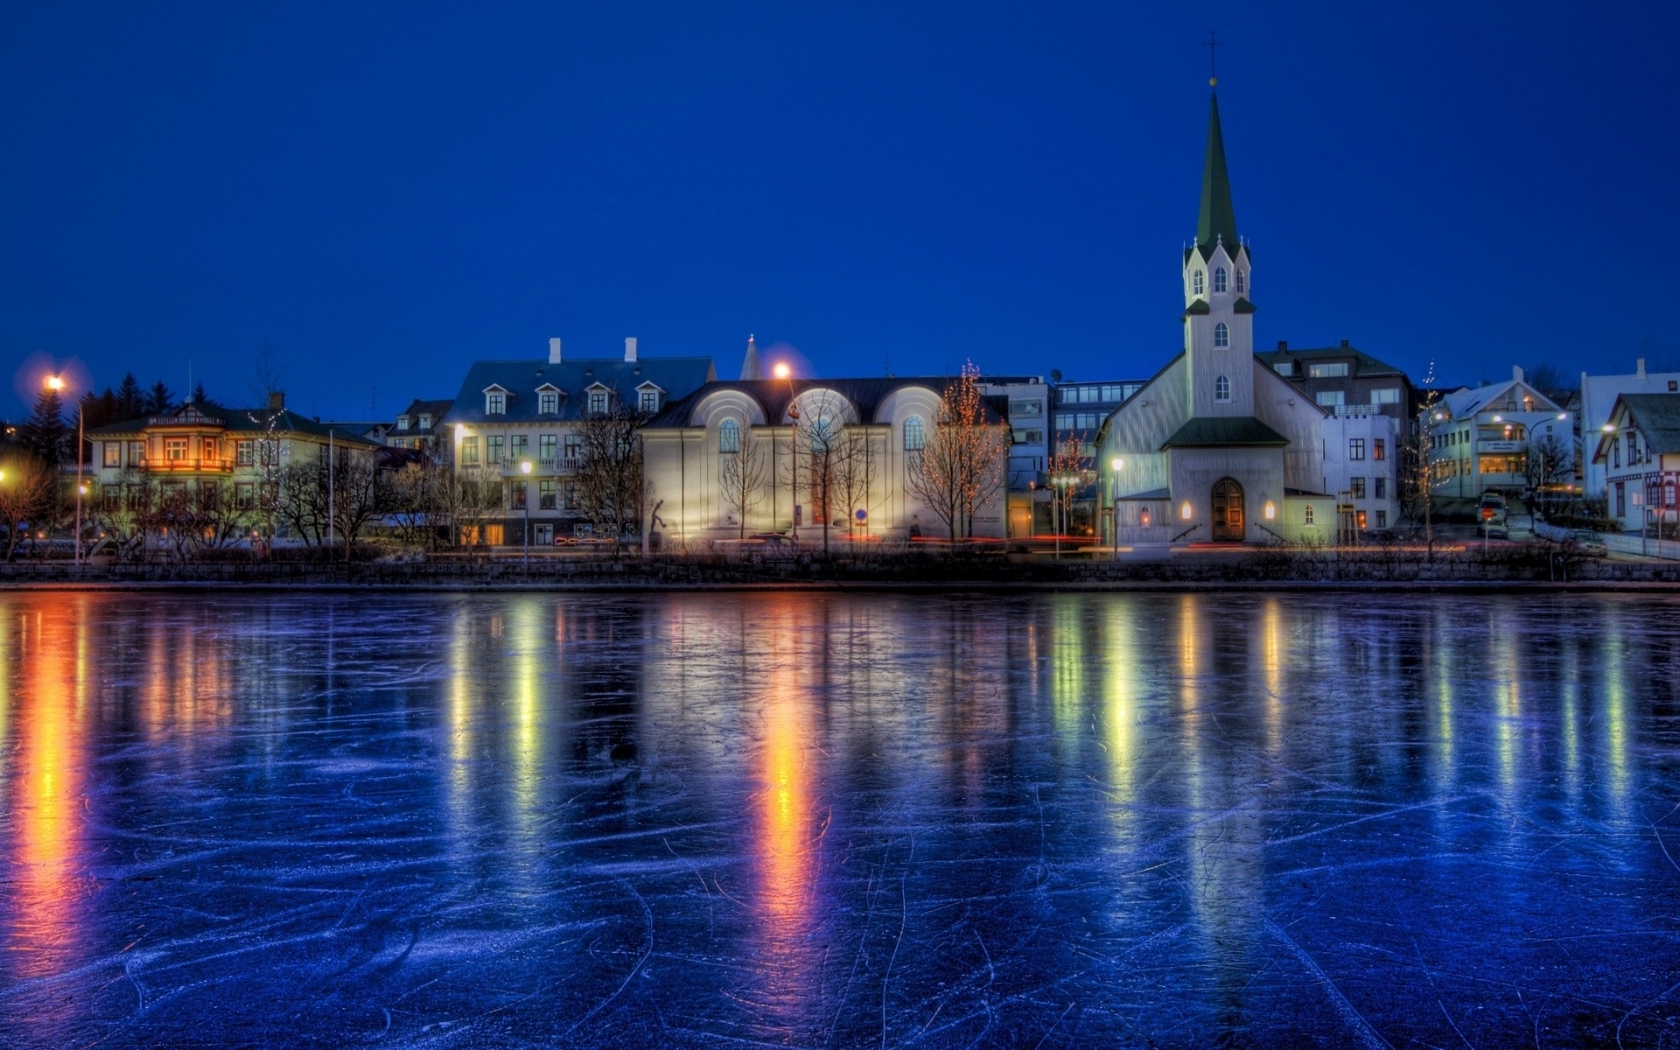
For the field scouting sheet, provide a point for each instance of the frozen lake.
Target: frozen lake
(839, 820)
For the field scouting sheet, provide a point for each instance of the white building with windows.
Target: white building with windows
(518, 414)
(1479, 437)
(1598, 398)
(1638, 451)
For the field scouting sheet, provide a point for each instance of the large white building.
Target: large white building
(1217, 446)
(1479, 436)
(1598, 398)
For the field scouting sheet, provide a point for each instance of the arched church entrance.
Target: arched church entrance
(1227, 512)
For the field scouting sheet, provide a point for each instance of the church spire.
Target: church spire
(749, 363)
(1217, 221)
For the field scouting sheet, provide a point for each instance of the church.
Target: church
(1216, 447)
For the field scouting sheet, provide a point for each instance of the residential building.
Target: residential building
(1027, 400)
(1080, 408)
(1338, 377)
(421, 427)
(1479, 437)
(1638, 451)
(511, 414)
(1598, 397)
(738, 458)
(1216, 446)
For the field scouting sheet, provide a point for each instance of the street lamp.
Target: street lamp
(1114, 465)
(782, 371)
(57, 384)
(525, 493)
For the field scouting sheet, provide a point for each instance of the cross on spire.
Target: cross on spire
(1213, 58)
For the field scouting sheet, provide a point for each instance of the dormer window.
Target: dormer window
(1240, 284)
(1219, 280)
(425, 422)
(402, 422)
(548, 402)
(650, 402)
(598, 402)
(1222, 389)
(495, 401)
(1196, 283)
(1221, 335)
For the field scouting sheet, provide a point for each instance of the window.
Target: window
(1239, 282)
(597, 402)
(1357, 487)
(111, 497)
(1382, 488)
(1025, 409)
(1219, 280)
(493, 449)
(1221, 335)
(548, 446)
(545, 495)
(1382, 518)
(548, 402)
(568, 496)
(495, 403)
(729, 436)
(1029, 437)
(915, 435)
(1359, 519)
(1222, 386)
(245, 453)
(519, 447)
(1196, 283)
(425, 422)
(1379, 448)
(1616, 451)
(1331, 398)
(469, 452)
(1333, 370)
(1284, 368)
(517, 491)
(136, 453)
(1621, 498)
(650, 402)
(1356, 448)
(1388, 395)
(574, 446)
(1307, 515)
(402, 422)
(113, 453)
(244, 496)
(1064, 420)
(175, 448)
(209, 449)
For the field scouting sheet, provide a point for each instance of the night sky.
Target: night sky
(387, 192)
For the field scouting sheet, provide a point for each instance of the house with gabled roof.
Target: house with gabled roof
(1638, 450)
(515, 429)
(1479, 436)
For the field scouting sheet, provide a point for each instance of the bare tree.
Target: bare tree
(1418, 482)
(854, 468)
(28, 485)
(609, 475)
(1548, 461)
(469, 496)
(1067, 468)
(741, 478)
(960, 468)
(358, 496)
(416, 495)
(267, 374)
(300, 501)
(816, 437)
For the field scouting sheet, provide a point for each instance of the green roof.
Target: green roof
(1219, 431)
(1658, 418)
(1199, 306)
(1242, 306)
(1218, 219)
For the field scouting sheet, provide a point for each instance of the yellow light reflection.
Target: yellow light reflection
(1271, 667)
(1121, 692)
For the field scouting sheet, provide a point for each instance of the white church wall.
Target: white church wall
(1195, 471)
(1136, 430)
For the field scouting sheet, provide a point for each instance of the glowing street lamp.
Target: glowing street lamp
(525, 469)
(57, 384)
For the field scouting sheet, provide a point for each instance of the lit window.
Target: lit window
(1379, 448)
(1221, 335)
(1185, 512)
(113, 452)
(1271, 508)
(1219, 279)
(1222, 389)
(915, 434)
(1334, 370)
(1196, 283)
(729, 436)
(175, 448)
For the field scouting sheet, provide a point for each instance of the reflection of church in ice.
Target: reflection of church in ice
(1216, 447)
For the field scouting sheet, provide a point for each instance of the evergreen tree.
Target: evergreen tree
(159, 401)
(131, 401)
(199, 396)
(44, 433)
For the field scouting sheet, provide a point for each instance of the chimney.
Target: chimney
(630, 348)
(1283, 346)
(1344, 344)
(276, 400)
(554, 351)
(1516, 373)
(1639, 368)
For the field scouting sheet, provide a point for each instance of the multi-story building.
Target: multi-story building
(1080, 410)
(1598, 397)
(516, 430)
(1028, 404)
(421, 427)
(1639, 454)
(1479, 437)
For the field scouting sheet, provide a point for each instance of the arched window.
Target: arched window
(915, 436)
(729, 436)
(1307, 514)
(1221, 335)
(1196, 283)
(1219, 279)
(1222, 389)
(1240, 288)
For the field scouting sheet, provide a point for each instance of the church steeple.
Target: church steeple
(1217, 221)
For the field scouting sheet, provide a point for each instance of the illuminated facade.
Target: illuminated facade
(1479, 437)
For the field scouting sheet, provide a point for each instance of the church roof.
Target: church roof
(1220, 431)
(1217, 220)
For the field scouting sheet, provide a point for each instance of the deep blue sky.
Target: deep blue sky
(388, 191)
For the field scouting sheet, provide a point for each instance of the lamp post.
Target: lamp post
(525, 497)
(1114, 505)
(782, 371)
(56, 383)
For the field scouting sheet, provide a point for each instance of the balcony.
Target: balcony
(189, 465)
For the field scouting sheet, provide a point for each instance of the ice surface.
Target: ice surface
(839, 820)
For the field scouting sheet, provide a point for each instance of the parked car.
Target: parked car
(1587, 542)
(1493, 529)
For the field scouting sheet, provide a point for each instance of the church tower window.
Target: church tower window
(1222, 389)
(1240, 288)
(1221, 335)
(1196, 283)
(1219, 279)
